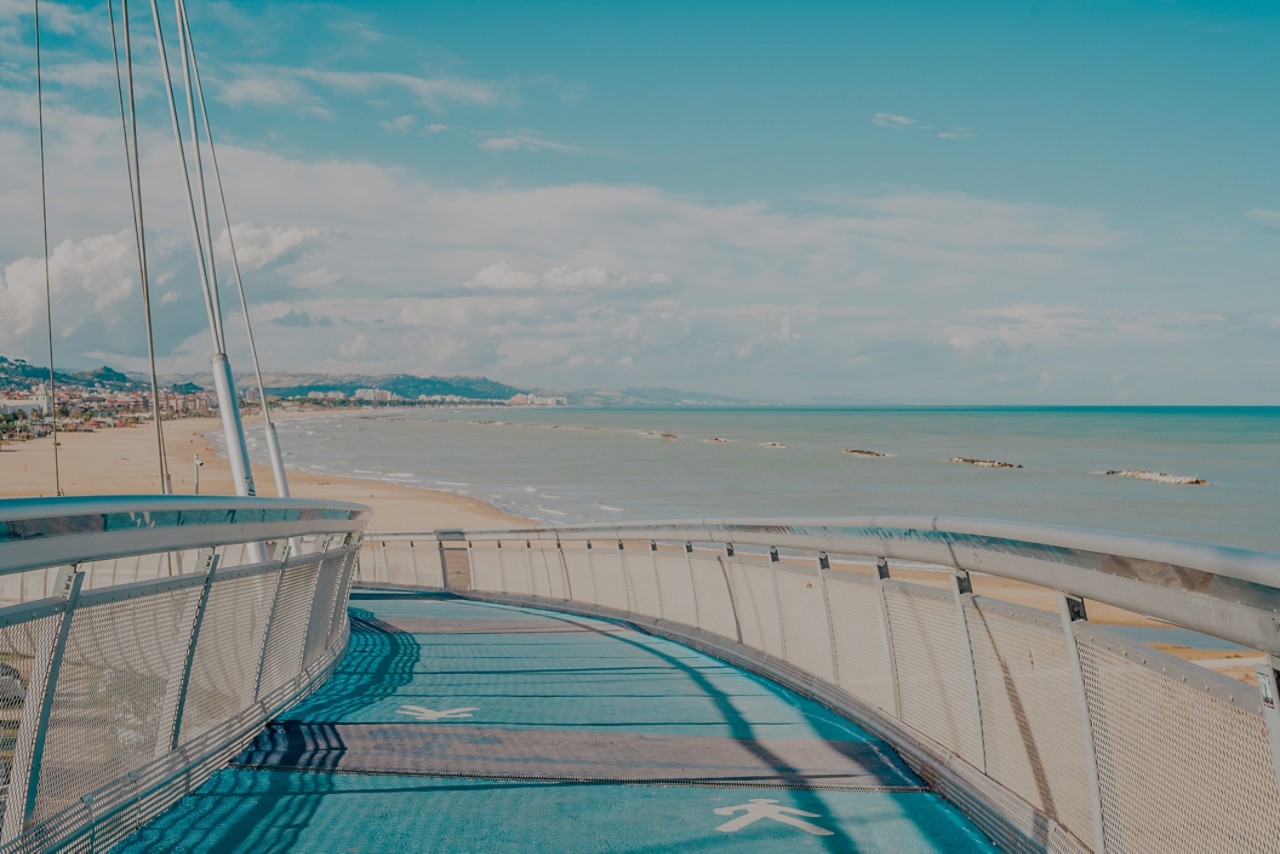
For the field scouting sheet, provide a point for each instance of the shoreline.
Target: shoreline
(122, 461)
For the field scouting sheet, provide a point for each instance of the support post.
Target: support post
(882, 575)
(824, 567)
(1072, 610)
(207, 562)
(528, 566)
(728, 584)
(70, 581)
(657, 585)
(1269, 686)
(444, 564)
(774, 560)
(962, 589)
(591, 576)
(471, 567)
(564, 568)
(624, 568)
(693, 585)
(413, 562)
(266, 634)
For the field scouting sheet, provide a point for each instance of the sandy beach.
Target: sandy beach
(123, 462)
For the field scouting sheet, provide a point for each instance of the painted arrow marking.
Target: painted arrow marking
(424, 714)
(762, 808)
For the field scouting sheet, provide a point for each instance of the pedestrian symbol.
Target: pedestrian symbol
(423, 714)
(759, 808)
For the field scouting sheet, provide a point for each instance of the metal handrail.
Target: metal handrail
(43, 532)
(1229, 593)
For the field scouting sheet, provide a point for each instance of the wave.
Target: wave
(552, 512)
(1156, 477)
(449, 483)
(613, 509)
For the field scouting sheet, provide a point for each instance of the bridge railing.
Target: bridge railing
(1050, 731)
(116, 699)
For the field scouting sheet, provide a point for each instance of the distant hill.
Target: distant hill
(652, 397)
(19, 374)
(405, 385)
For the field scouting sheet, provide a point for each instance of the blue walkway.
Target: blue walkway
(459, 726)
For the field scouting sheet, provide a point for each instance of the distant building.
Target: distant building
(537, 400)
(328, 395)
(377, 395)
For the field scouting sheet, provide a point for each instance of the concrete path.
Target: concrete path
(460, 726)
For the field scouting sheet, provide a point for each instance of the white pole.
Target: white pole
(237, 450)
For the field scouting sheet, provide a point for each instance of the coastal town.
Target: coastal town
(108, 399)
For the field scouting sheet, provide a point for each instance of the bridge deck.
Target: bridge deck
(460, 726)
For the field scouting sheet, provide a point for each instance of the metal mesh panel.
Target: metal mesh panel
(398, 561)
(547, 581)
(339, 621)
(582, 587)
(804, 620)
(676, 587)
(515, 572)
(861, 640)
(326, 597)
(112, 704)
(1034, 739)
(225, 665)
(486, 568)
(610, 581)
(935, 684)
(1179, 769)
(19, 646)
(644, 584)
(282, 659)
(757, 603)
(715, 605)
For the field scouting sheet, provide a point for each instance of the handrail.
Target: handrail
(1230, 593)
(42, 532)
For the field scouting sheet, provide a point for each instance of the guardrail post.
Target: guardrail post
(591, 576)
(728, 585)
(413, 562)
(774, 560)
(693, 585)
(1269, 686)
(207, 561)
(69, 582)
(564, 569)
(1072, 610)
(657, 585)
(471, 567)
(962, 587)
(266, 634)
(882, 575)
(626, 577)
(528, 566)
(824, 566)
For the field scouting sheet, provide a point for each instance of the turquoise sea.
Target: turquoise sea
(559, 464)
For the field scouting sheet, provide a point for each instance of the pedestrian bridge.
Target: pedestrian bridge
(192, 673)
(454, 725)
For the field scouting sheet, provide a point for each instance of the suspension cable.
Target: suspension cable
(214, 325)
(132, 169)
(184, 47)
(48, 282)
(226, 214)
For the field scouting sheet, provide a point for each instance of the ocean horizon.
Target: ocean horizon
(592, 464)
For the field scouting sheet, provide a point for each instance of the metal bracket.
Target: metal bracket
(1072, 610)
(962, 586)
(209, 562)
(70, 580)
(1269, 688)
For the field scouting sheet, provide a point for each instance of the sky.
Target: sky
(1051, 202)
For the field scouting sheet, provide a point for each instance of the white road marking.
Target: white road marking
(424, 714)
(761, 808)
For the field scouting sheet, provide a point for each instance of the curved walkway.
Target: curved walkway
(454, 725)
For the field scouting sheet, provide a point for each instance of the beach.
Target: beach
(122, 461)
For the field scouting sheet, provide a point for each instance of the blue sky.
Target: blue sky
(1051, 202)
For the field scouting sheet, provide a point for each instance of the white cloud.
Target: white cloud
(526, 142)
(401, 124)
(1265, 216)
(503, 277)
(316, 279)
(891, 120)
(433, 129)
(956, 133)
(257, 247)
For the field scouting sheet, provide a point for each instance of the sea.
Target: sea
(571, 465)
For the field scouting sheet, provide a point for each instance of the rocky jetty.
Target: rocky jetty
(986, 464)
